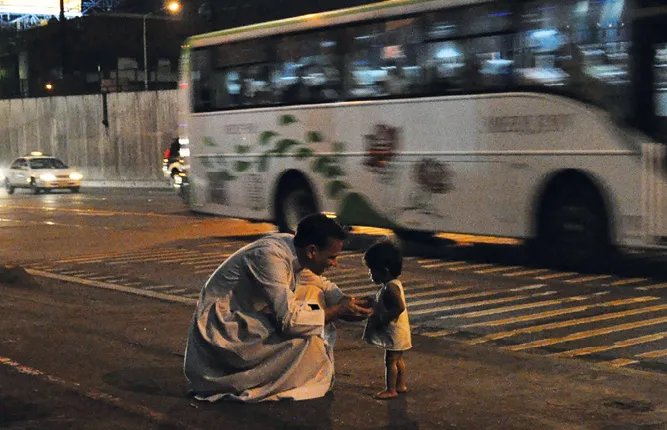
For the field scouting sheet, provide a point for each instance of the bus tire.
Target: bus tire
(294, 203)
(574, 229)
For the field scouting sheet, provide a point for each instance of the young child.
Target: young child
(388, 327)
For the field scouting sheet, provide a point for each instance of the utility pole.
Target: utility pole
(63, 39)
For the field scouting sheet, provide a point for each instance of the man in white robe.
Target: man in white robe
(251, 338)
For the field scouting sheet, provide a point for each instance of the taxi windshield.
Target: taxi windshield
(47, 163)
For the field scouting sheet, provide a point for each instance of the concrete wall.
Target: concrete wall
(141, 126)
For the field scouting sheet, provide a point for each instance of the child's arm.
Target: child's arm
(393, 303)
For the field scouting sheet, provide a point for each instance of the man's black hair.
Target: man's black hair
(384, 254)
(318, 229)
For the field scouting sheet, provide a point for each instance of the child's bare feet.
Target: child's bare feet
(384, 395)
(401, 390)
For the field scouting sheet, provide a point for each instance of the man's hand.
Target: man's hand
(349, 309)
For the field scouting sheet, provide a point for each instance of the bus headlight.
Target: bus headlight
(47, 177)
(76, 176)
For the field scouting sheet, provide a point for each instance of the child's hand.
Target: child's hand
(365, 302)
(354, 311)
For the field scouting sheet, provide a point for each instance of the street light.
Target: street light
(172, 7)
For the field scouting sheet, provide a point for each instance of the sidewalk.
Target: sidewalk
(125, 353)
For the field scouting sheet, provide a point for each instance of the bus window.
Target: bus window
(490, 64)
(578, 47)
(384, 59)
(201, 80)
(445, 67)
(308, 68)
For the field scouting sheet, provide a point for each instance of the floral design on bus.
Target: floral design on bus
(431, 177)
(382, 145)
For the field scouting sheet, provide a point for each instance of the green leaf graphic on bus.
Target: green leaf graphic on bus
(287, 120)
(303, 153)
(336, 188)
(266, 137)
(208, 141)
(284, 145)
(242, 166)
(339, 147)
(242, 149)
(314, 137)
(334, 172)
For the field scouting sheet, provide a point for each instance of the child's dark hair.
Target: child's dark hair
(384, 254)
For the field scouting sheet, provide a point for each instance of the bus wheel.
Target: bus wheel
(574, 231)
(294, 204)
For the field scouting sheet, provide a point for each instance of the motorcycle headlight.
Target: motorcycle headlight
(47, 177)
(76, 176)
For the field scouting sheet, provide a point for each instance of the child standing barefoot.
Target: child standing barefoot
(388, 327)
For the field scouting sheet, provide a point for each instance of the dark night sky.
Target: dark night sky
(145, 6)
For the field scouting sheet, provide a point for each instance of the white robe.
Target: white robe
(251, 339)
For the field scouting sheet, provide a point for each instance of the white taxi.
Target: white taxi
(39, 173)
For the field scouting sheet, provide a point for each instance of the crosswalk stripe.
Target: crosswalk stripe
(620, 362)
(176, 291)
(570, 323)
(525, 272)
(444, 264)
(653, 354)
(432, 292)
(114, 255)
(628, 281)
(156, 257)
(480, 303)
(652, 287)
(439, 333)
(191, 296)
(523, 306)
(157, 287)
(238, 244)
(472, 295)
(72, 272)
(556, 275)
(587, 279)
(616, 345)
(474, 266)
(559, 312)
(201, 258)
(498, 269)
(114, 279)
(587, 334)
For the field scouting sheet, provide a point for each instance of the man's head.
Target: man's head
(319, 242)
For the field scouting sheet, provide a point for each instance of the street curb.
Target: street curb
(125, 184)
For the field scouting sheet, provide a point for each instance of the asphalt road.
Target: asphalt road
(486, 300)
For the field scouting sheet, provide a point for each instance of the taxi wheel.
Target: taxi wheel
(8, 187)
(75, 189)
(35, 189)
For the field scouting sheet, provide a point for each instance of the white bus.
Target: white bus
(541, 119)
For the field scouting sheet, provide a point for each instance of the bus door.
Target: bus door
(650, 60)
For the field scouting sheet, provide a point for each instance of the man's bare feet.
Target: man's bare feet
(401, 390)
(384, 395)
